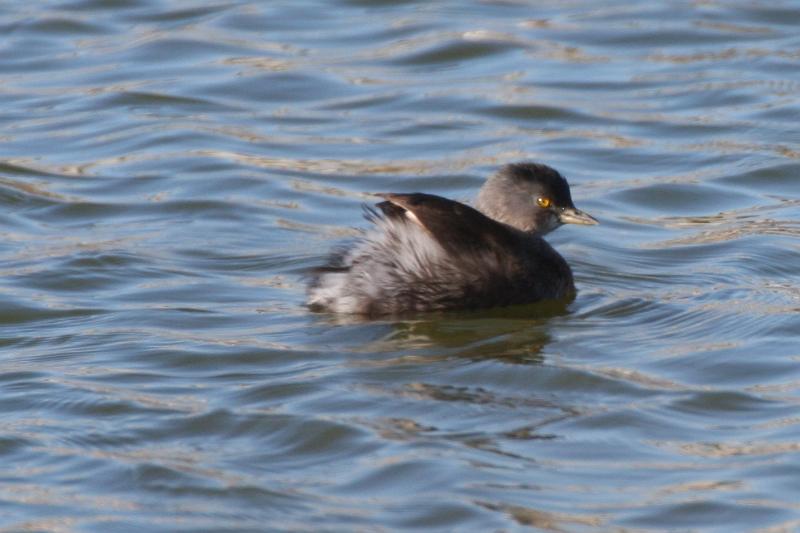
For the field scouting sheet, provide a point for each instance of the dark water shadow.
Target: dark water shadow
(514, 334)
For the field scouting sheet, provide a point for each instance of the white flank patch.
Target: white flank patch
(390, 257)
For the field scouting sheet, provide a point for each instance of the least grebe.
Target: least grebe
(427, 253)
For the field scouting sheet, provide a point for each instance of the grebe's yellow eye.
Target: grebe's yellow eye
(543, 202)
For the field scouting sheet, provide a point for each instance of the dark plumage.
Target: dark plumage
(429, 253)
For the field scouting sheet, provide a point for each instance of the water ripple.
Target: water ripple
(168, 172)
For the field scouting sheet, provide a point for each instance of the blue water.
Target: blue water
(170, 169)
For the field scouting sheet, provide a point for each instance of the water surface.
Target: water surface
(169, 169)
